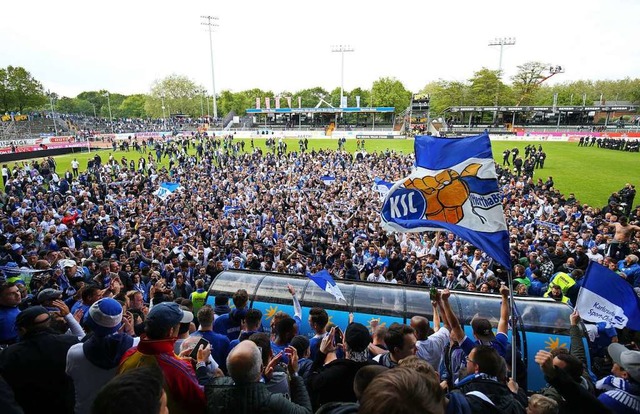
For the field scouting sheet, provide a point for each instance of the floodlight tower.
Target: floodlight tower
(208, 21)
(342, 49)
(502, 42)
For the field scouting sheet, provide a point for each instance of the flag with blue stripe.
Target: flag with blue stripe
(166, 189)
(325, 282)
(453, 187)
(327, 179)
(381, 186)
(606, 297)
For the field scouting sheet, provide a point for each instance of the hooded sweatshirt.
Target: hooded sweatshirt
(93, 363)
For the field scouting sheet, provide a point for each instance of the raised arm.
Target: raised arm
(436, 316)
(503, 324)
(297, 309)
(452, 319)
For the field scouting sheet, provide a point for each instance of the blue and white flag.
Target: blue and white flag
(324, 280)
(453, 187)
(607, 297)
(327, 179)
(381, 186)
(166, 189)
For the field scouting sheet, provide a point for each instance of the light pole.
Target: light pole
(94, 111)
(502, 42)
(201, 92)
(342, 49)
(109, 106)
(164, 119)
(210, 25)
(53, 112)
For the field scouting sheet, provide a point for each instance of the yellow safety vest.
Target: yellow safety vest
(198, 299)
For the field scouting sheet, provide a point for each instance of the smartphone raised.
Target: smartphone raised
(202, 343)
(433, 293)
(338, 336)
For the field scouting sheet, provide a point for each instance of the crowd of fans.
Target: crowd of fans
(105, 284)
(89, 125)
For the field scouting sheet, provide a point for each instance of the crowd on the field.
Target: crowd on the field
(103, 277)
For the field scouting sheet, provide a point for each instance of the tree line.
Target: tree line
(19, 91)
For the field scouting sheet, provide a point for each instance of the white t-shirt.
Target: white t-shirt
(87, 378)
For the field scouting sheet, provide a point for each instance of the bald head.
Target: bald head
(244, 363)
(421, 326)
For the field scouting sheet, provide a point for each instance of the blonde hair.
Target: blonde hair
(540, 404)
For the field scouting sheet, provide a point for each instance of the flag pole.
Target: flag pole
(513, 326)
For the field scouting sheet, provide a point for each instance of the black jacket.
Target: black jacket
(35, 369)
(224, 397)
(503, 401)
(334, 381)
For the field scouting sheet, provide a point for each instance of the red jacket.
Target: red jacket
(184, 394)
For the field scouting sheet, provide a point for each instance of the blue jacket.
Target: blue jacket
(632, 272)
(219, 347)
(229, 324)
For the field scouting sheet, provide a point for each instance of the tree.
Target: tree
(527, 81)
(19, 90)
(180, 94)
(391, 92)
(485, 84)
(364, 94)
(445, 94)
(310, 97)
(133, 107)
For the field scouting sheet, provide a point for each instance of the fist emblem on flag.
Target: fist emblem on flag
(445, 193)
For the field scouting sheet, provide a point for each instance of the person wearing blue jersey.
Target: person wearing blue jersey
(219, 343)
(229, 323)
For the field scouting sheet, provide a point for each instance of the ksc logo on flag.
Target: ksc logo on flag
(453, 187)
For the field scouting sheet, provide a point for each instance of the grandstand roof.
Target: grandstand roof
(320, 110)
(596, 108)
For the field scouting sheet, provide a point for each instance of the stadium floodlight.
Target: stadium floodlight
(208, 21)
(342, 49)
(109, 105)
(502, 42)
(53, 112)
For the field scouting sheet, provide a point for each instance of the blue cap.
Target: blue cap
(16, 246)
(104, 317)
(166, 315)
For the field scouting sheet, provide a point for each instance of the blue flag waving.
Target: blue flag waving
(166, 189)
(453, 187)
(381, 186)
(324, 280)
(607, 297)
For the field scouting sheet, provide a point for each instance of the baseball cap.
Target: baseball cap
(49, 294)
(104, 317)
(482, 329)
(167, 315)
(26, 318)
(16, 246)
(357, 337)
(68, 263)
(627, 359)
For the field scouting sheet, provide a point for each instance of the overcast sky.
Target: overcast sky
(123, 46)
